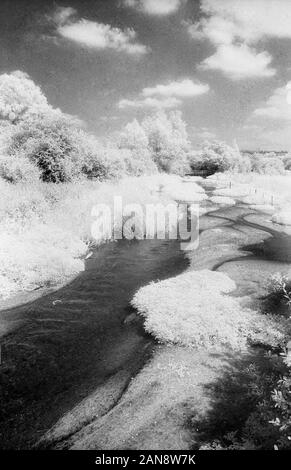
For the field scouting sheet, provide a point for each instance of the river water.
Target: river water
(70, 342)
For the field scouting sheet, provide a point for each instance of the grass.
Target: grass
(193, 310)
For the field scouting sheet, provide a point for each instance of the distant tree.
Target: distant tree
(168, 141)
(268, 165)
(133, 137)
(134, 145)
(215, 156)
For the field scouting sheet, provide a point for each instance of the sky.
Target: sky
(226, 64)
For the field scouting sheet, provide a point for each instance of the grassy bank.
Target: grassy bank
(45, 229)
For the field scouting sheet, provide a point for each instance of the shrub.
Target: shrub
(101, 162)
(193, 310)
(18, 169)
(215, 157)
(268, 165)
(62, 151)
(52, 143)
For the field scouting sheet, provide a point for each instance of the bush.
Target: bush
(62, 151)
(267, 165)
(215, 157)
(193, 310)
(101, 162)
(18, 169)
(52, 143)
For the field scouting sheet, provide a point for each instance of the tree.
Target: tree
(133, 137)
(168, 141)
(37, 139)
(20, 97)
(134, 145)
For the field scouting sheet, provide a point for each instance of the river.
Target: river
(85, 338)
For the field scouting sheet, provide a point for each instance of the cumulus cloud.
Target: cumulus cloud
(165, 103)
(234, 27)
(95, 35)
(247, 20)
(62, 14)
(155, 7)
(239, 61)
(169, 95)
(278, 106)
(182, 89)
(102, 36)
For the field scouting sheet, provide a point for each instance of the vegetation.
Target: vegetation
(250, 406)
(216, 157)
(193, 310)
(268, 165)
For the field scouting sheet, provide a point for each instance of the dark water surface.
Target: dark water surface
(70, 342)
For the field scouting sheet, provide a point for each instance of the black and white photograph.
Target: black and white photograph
(145, 230)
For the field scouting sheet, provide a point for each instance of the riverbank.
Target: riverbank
(45, 230)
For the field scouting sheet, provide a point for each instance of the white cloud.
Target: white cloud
(182, 89)
(168, 95)
(239, 61)
(278, 106)
(95, 35)
(155, 7)
(102, 36)
(233, 26)
(165, 103)
(246, 20)
(62, 14)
